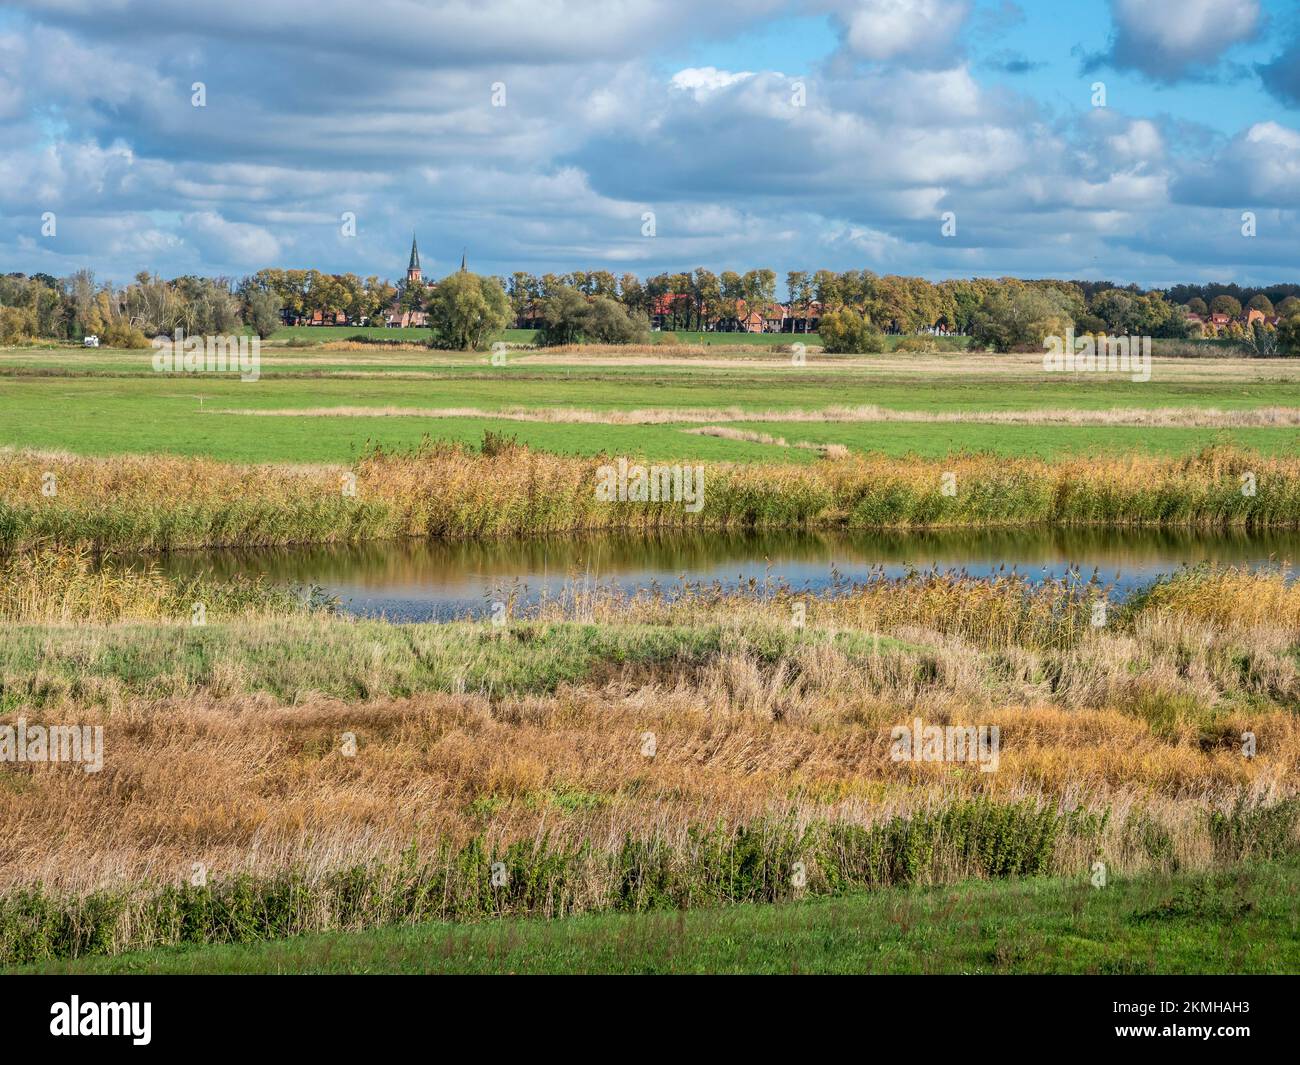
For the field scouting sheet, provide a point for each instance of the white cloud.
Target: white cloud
(700, 81)
(1172, 39)
(1259, 167)
(1140, 141)
(231, 243)
(311, 117)
(889, 30)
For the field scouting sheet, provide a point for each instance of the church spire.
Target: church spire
(462, 260)
(414, 265)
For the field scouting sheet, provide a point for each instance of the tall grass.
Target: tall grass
(1002, 611)
(1210, 637)
(547, 877)
(441, 490)
(63, 587)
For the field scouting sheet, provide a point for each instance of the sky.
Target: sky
(1129, 140)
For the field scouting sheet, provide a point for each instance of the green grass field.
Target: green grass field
(109, 402)
(1245, 921)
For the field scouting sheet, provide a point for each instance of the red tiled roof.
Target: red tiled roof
(664, 304)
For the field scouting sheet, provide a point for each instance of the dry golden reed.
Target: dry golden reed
(443, 490)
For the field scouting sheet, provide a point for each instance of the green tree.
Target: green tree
(607, 322)
(846, 332)
(262, 313)
(465, 310)
(1017, 316)
(571, 318)
(1226, 305)
(1288, 335)
(1118, 309)
(564, 314)
(708, 295)
(633, 295)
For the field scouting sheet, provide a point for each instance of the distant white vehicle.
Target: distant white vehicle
(90, 342)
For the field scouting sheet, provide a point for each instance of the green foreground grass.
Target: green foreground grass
(1246, 920)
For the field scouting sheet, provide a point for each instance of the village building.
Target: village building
(673, 307)
(1212, 324)
(399, 316)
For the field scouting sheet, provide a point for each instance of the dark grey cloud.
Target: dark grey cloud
(1281, 75)
(1009, 62)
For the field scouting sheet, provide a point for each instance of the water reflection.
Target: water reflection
(419, 580)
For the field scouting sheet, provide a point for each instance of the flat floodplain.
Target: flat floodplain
(286, 789)
(324, 405)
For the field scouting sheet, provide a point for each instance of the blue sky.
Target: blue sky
(820, 133)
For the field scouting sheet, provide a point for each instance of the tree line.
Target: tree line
(852, 308)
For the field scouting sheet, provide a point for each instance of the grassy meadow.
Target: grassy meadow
(1243, 921)
(697, 781)
(324, 405)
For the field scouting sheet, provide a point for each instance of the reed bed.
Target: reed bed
(223, 736)
(546, 877)
(440, 490)
(1003, 611)
(1208, 640)
(261, 804)
(63, 587)
(279, 773)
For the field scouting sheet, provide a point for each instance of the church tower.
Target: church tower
(413, 268)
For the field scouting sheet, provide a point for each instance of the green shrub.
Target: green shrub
(845, 332)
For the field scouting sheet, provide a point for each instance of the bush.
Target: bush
(571, 318)
(608, 322)
(910, 345)
(263, 313)
(564, 313)
(846, 332)
(17, 325)
(122, 334)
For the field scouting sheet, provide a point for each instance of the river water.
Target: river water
(422, 581)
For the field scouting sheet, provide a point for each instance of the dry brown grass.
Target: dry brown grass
(241, 785)
(724, 432)
(1160, 417)
(62, 587)
(444, 490)
(1146, 721)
